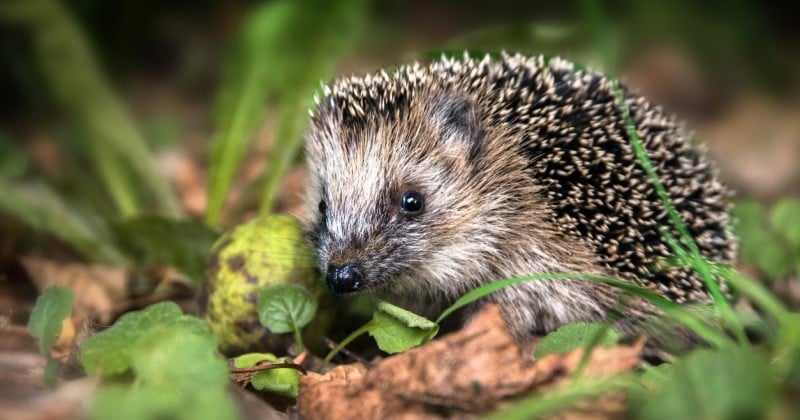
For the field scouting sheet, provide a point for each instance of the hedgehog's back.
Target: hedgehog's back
(579, 152)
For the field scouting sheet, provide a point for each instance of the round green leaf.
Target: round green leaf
(284, 308)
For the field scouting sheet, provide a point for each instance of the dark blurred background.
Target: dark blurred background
(732, 68)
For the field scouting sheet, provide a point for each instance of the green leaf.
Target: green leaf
(119, 402)
(184, 244)
(52, 307)
(168, 354)
(785, 220)
(174, 362)
(575, 335)
(732, 382)
(775, 250)
(111, 351)
(281, 381)
(43, 209)
(396, 329)
(284, 308)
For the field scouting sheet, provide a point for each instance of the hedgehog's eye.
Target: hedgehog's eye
(411, 202)
(323, 207)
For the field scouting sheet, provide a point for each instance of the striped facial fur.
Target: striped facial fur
(431, 181)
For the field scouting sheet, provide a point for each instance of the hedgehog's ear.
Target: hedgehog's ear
(458, 122)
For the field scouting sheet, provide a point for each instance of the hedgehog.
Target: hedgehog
(436, 179)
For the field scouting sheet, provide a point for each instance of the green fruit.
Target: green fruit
(265, 251)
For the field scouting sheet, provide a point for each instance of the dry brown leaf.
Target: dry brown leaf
(464, 373)
(97, 288)
(63, 345)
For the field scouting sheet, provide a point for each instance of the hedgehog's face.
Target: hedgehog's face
(390, 201)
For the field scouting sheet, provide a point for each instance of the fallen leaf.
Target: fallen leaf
(97, 288)
(468, 372)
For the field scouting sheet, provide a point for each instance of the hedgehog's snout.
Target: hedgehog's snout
(345, 278)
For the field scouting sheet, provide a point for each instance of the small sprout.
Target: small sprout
(394, 329)
(51, 309)
(284, 308)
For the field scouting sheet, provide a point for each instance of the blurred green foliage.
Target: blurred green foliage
(118, 151)
(174, 370)
(727, 383)
(114, 206)
(284, 50)
(281, 52)
(52, 307)
(769, 239)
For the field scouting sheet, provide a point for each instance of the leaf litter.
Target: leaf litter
(471, 371)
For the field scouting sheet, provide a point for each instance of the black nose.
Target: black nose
(345, 278)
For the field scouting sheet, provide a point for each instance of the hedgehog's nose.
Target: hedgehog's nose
(345, 278)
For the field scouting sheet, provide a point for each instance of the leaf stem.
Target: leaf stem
(353, 335)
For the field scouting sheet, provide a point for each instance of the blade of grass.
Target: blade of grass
(349, 339)
(755, 291)
(241, 101)
(286, 48)
(594, 16)
(697, 261)
(692, 321)
(540, 405)
(597, 338)
(337, 24)
(77, 82)
(291, 123)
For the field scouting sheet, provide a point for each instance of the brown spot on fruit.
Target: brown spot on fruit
(236, 262)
